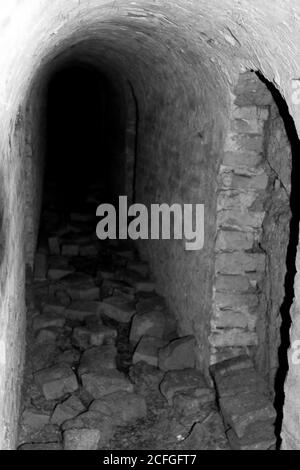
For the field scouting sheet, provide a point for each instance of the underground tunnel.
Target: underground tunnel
(142, 344)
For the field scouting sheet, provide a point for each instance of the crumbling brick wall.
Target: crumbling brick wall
(253, 216)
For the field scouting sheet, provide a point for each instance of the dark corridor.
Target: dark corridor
(84, 135)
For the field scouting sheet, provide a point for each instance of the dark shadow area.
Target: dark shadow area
(85, 137)
(291, 254)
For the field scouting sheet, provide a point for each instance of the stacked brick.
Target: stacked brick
(245, 404)
(239, 260)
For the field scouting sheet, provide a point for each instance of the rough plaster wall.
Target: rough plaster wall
(274, 240)
(12, 273)
(211, 41)
(291, 417)
(33, 152)
(178, 165)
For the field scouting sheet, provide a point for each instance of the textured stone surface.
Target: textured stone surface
(147, 350)
(245, 409)
(95, 358)
(104, 382)
(193, 52)
(259, 437)
(178, 354)
(48, 320)
(67, 410)
(34, 419)
(80, 309)
(145, 377)
(56, 381)
(122, 407)
(150, 323)
(207, 436)
(118, 308)
(81, 439)
(183, 381)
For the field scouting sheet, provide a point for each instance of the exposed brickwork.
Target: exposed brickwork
(252, 229)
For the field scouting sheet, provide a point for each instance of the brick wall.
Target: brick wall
(252, 229)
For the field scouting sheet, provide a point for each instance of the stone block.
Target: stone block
(178, 354)
(234, 240)
(81, 309)
(231, 365)
(70, 356)
(55, 274)
(184, 381)
(240, 220)
(208, 435)
(244, 409)
(81, 337)
(246, 303)
(239, 158)
(68, 409)
(235, 199)
(53, 307)
(233, 337)
(104, 382)
(78, 280)
(261, 437)
(239, 263)
(123, 407)
(151, 323)
(247, 126)
(147, 350)
(233, 283)
(34, 419)
(47, 320)
(251, 112)
(56, 381)
(244, 142)
(145, 377)
(89, 293)
(103, 334)
(81, 439)
(190, 404)
(240, 381)
(118, 308)
(98, 358)
(46, 335)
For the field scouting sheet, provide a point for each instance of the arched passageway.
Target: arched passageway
(149, 101)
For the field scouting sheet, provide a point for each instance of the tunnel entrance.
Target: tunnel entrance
(112, 344)
(85, 136)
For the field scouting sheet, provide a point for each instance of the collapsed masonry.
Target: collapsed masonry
(105, 366)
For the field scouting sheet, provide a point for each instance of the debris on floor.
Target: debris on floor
(105, 367)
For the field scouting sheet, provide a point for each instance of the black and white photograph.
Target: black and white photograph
(149, 229)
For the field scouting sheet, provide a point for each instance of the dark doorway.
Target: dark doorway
(85, 136)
